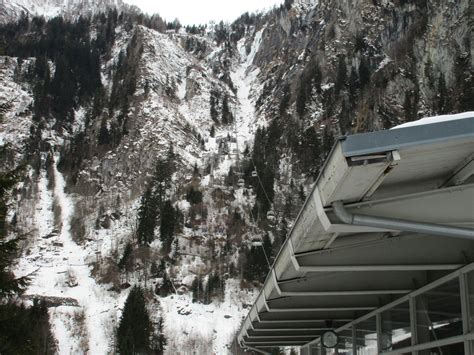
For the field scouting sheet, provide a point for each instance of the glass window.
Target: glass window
(366, 337)
(453, 349)
(344, 345)
(396, 332)
(315, 349)
(438, 313)
(470, 287)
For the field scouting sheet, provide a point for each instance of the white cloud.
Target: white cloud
(202, 11)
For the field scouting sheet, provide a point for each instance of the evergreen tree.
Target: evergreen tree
(147, 217)
(104, 135)
(25, 331)
(166, 286)
(311, 77)
(213, 288)
(214, 102)
(443, 97)
(161, 268)
(311, 151)
(158, 271)
(194, 196)
(154, 269)
(302, 97)
(464, 86)
(268, 247)
(301, 194)
(409, 106)
(328, 141)
(63, 88)
(255, 266)
(197, 289)
(161, 180)
(353, 86)
(125, 79)
(159, 340)
(227, 116)
(207, 291)
(135, 327)
(22, 330)
(265, 157)
(175, 248)
(285, 99)
(345, 117)
(125, 259)
(152, 203)
(364, 73)
(9, 284)
(341, 76)
(167, 226)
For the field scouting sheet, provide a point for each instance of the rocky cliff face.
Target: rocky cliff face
(389, 60)
(246, 112)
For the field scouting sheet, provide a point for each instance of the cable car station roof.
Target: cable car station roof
(390, 212)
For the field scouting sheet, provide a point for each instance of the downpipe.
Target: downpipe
(400, 224)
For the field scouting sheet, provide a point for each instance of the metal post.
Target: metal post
(354, 340)
(413, 327)
(378, 322)
(465, 310)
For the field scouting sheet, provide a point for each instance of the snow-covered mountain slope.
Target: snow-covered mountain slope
(13, 9)
(61, 270)
(170, 107)
(16, 124)
(247, 111)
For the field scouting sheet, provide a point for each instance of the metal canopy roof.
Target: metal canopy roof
(329, 273)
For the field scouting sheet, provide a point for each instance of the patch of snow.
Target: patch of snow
(244, 76)
(437, 119)
(327, 86)
(54, 259)
(383, 63)
(205, 329)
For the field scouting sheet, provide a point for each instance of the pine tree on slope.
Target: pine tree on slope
(135, 328)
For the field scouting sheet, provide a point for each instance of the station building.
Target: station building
(380, 259)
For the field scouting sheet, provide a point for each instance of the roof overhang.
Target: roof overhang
(329, 273)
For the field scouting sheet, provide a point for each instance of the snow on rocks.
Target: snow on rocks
(15, 128)
(59, 270)
(244, 77)
(52, 8)
(62, 269)
(205, 329)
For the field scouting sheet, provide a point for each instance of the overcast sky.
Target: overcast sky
(197, 12)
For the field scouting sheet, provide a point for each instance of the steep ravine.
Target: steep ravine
(83, 319)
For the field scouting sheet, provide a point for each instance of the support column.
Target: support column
(413, 328)
(466, 284)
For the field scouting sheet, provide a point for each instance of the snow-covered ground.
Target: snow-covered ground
(87, 319)
(175, 110)
(204, 329)
(60, 270)
(244, 77)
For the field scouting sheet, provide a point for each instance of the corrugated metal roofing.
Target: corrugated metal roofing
(328, 273)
